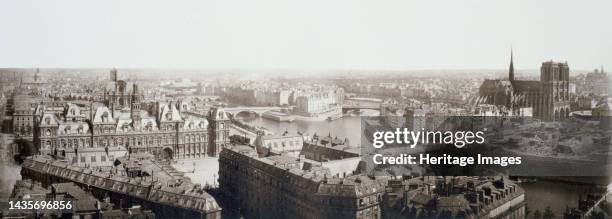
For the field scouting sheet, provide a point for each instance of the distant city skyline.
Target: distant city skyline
(270, 34)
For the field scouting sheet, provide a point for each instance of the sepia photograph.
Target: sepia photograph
(347, 109)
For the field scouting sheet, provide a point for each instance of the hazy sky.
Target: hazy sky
(312, 34)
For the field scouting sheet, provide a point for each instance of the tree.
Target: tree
(527, 211)
(537, 214)
(548, 214)
(598, 215)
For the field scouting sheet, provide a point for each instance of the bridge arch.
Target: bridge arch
(257, 110)
(167, 153)
(247, 112)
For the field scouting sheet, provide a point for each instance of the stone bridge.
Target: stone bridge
(346, 108)
(252, 109)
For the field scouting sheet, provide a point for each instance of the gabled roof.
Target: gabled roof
(526, 86)
(489, 84)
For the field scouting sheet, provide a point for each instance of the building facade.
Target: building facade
(295, 189)
(98, 133)
(184, 200)
(549, 97)
(315, 104)
(168, 134)
(454, 197)
(288, 144)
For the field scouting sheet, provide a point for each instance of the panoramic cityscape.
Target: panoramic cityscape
(344, 109)
(128, 142)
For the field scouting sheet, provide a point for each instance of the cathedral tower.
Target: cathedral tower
(554, 79)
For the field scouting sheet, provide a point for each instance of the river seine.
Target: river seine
(538, 195)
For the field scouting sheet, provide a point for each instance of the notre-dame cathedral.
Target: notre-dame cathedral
(548, 97)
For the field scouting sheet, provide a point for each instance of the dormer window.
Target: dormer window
(105, 117)
(48, 121)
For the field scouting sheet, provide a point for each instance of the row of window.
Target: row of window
(94, 160)
(24, 118)
(283, 144)
(138, 141)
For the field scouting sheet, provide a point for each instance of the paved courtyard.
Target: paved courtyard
(202, 170)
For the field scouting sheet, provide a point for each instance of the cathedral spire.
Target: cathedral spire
(511, 70)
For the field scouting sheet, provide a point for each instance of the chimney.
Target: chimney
(91, 111)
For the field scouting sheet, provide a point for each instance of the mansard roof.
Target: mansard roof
(195, 123)
(124, 120)
(168, 113)
(218, 114)
(72, 110)
(316, 178)
(149, 120)
(127, 123)
(103, 116)
(70, 128)
(49, 119)
(185, 196)
(352, 186)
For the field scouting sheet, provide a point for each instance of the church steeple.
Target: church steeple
(511, 70)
